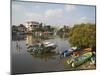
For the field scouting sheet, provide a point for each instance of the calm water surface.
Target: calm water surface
(24, 62)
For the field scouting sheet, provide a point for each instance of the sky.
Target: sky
(51, 14)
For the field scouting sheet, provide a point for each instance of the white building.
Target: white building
(31, 25)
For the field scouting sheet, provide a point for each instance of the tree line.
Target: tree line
(83, 35)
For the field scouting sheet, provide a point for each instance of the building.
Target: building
(31, 25)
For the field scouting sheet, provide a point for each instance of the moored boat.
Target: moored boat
(68, 52)
(42, 47)
(81, 59)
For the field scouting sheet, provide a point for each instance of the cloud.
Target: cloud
(34, 16)
(53, 13)
(70, 8)
(16, 7)
(84, 19)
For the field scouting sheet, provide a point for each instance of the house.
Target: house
(31, 25)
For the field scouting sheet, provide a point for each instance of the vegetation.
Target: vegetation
(63, 32)
(83, 35)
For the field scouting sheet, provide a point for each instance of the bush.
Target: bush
(83, 35)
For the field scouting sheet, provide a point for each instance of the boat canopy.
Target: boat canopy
(46, 42)
(50, 45)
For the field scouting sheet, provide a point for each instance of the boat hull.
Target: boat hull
(81, 59)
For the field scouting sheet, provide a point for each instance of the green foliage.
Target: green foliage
(63, 32)
(83, 35)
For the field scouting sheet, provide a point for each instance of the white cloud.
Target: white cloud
(16, 7)
(34, 16)
(53, 13)
(30, 14)
(70, 8)
(84, 19)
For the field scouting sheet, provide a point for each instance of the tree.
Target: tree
(83, 35)
(64, 31)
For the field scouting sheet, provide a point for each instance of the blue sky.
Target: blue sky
(53, 14)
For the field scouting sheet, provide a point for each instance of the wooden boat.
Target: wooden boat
(68, 52)
(87, 49)
(42, 47)
(81, 59)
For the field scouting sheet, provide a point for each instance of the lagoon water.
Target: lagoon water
(24, 62)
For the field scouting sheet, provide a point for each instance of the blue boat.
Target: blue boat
(68, 52)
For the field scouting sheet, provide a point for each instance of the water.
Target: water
(24, 62)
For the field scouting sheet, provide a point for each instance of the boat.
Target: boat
(65, 53)
(49, 44)
(93, 58)
(68, 52)
(46, 43)
(42, 47)
(81, 59)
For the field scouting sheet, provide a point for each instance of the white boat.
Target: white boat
(49, 44)
(43, 46)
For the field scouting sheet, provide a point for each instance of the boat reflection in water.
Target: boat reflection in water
(45, 55)
(24, 61)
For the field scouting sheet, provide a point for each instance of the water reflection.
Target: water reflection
(18, 37)
(29, 39)
(45, 56)
(48, 61)
(18, 46)
(62, 44)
